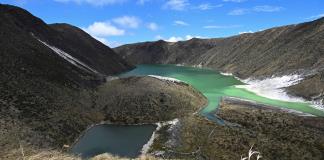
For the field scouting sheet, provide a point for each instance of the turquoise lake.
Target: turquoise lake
(121, 140)
(127, 141)
(215, 85)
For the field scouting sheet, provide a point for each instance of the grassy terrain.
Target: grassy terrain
(276, 135)
(50, 118)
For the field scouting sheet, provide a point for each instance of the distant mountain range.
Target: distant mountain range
(291, 49)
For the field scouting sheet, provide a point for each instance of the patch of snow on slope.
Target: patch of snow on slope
(69, 58)
(165, 78)
(147, 146)
(198, 65)
(273, 87)
(226, 74)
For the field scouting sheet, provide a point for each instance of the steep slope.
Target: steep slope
(52, 82)
(24, 35)
(47, 83)
(278, 51)
(161, 52)
(88, 50)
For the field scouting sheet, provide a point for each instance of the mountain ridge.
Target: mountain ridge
(291, 49)
(47, 83)
(28, 33)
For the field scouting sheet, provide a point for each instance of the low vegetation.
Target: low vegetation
(49, 119)
(276, 135)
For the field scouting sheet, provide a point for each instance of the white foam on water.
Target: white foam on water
(69, 58)
(165, 78)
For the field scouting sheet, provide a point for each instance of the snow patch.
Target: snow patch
(198, 65)
(273, 87)
(165, 78)
(147, 146)
(69, 58)
(226, 74)
(318, 104)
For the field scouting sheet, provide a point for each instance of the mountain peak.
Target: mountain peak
(51, 51)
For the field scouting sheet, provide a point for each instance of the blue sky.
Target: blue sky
(117, 22)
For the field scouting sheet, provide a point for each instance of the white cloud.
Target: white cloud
(188, 37)
(102, 40)
(93, 2)
(316, 16)
(127, 21)
(177, 38)
(114, 44)
(174, 39)
(111, 44)
(267, 8)
(221, 27)
(246, 32)
(207, 6)
(180, 23)
(102, 29)
(158, 37)
(181, 5)
(178, 5)
(238, 12)
(142, 2)
(264, 8)
(152, 26)
(237, 1)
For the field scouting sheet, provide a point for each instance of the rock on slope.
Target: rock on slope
(276, 51)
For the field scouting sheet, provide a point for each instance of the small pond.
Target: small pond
(121, 140)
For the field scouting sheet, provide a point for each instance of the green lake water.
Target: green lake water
(128, 141)
(214, 86)
(121, 140)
